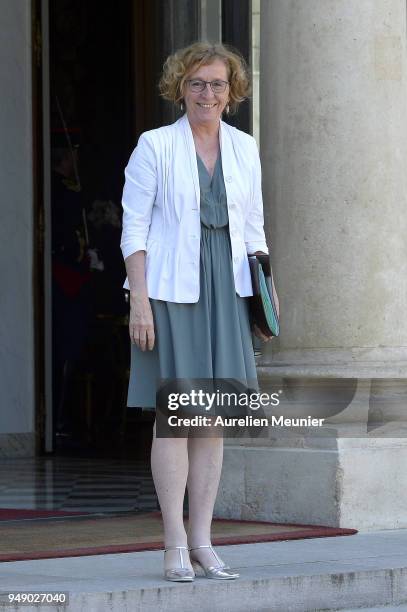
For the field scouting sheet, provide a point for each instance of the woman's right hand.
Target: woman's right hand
(141, 324)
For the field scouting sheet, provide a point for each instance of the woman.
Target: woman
(192, 211)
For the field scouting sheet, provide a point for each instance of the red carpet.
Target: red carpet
(101, 535)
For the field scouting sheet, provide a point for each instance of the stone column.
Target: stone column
(334, 146)
(333, 131)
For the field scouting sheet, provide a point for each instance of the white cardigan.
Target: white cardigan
(161, 200)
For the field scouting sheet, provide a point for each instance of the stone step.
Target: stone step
(337, 573)
(400, 608)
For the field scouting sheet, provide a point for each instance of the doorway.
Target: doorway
(93, 127)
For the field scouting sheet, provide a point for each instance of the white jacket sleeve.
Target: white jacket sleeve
(139, 194)
(254, 235)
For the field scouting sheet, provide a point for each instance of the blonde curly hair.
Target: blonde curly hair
(180, 64)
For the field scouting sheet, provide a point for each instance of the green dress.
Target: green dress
(209, 339)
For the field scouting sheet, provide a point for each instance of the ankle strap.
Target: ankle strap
(180, 549)
(211, 549)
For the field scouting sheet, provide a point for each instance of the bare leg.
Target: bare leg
(205, 466)
(169, 466)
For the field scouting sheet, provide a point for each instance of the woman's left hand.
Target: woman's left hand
(257, 332)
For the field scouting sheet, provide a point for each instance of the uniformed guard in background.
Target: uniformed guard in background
(71, 296)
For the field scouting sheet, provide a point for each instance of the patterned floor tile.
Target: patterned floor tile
(77, 484)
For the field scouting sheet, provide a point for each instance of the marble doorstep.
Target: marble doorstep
(346, 572)
(75, 483)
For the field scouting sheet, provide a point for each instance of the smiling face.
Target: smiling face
(206, 107)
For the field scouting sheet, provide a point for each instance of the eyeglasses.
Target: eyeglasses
(197, 85)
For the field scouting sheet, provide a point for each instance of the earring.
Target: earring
(227, 109)
(181, 106)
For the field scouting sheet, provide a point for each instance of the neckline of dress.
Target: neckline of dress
(206, 169)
